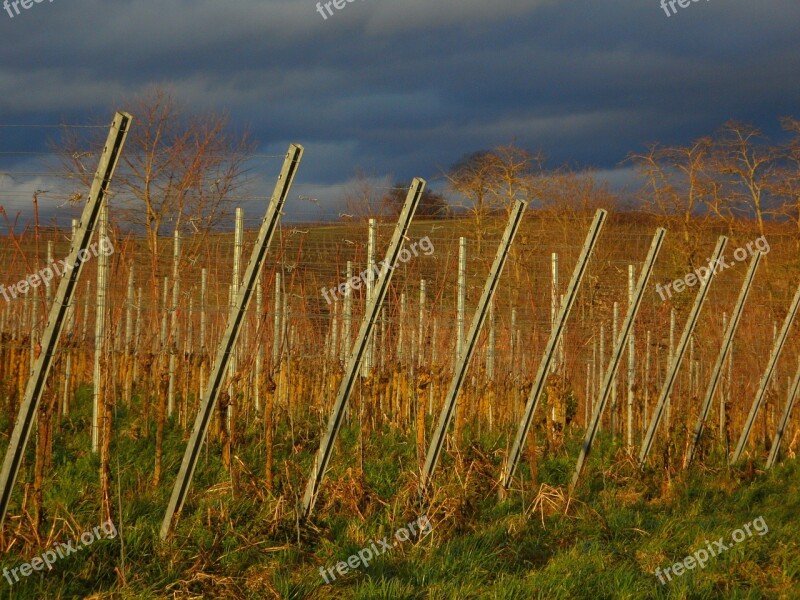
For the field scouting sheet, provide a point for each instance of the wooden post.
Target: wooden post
(203, 330)
(552, 343)
(616, 354)
(421, 326)
(646, 391)
(631, 362)
(48, 286)
(463, 358)
(238, 243)
(462, 296)
(677, 358)
(490, 349)
(727, 341)
(356, 356)
(276, 323)
(670, 355)
(235, 318)
(55, 322)
(366, 366)
(787, 411)
(765, 379)
(173, 327)
(613, 416)
(259, 345)
(348, 315)
(554, 300)
(99, 328)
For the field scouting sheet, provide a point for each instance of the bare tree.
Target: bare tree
(787, 182)
(489, 181)
(677, 179)
(682, 187)
(362, 198)
(745, 168)
(431, 204)
(470, 179)
(514, 175)
(179, 169)
(567, 195)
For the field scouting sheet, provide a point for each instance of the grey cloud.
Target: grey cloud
(409, 86)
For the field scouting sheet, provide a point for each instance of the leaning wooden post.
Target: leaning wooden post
(670, 354)
(550, 349)
(602, 365)
(723, 353)
(762, 388)
(677, 357)
(471, 340)
(787, 411)
(613, 415)
(616, 355)
(55, 321)
(356, 356)
(225, 348)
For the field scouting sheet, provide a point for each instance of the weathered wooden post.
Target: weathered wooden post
(356, 356)
(677, 358)
(727, 340)
(765, 379)
(459, 374)
(55, 322)
(235, 319)
(616, 355)
(550, 349)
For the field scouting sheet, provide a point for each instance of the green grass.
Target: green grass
(617, 530)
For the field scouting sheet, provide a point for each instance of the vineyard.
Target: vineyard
(418, 386)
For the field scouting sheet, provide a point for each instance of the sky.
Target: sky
(401, 88)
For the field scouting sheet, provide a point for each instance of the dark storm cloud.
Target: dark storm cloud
(407, 86)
